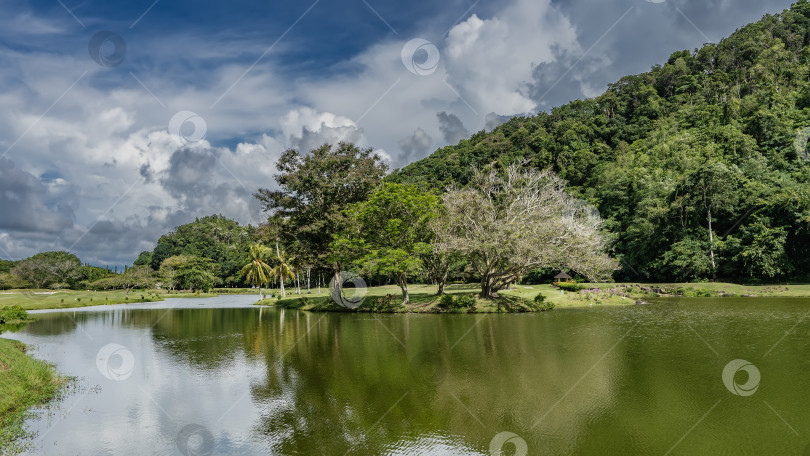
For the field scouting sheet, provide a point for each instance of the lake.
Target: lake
(219, 376)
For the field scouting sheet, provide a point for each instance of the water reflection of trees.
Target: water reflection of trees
(333, 381)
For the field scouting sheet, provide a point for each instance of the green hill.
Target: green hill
(711, 138)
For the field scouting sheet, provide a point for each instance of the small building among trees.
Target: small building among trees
(562, 277)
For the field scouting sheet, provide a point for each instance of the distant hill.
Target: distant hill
(712, 131)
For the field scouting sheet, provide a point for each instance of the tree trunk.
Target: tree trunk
(309, 290)
(336, 287)
(403, 284)
(441, 280)
(711, 244)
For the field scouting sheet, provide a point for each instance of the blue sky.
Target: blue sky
(103, 159)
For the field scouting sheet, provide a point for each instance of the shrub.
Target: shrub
(12, 313)
(464, 302)
(540, 303)
(570, 286)
(459, 302)
(445, 302)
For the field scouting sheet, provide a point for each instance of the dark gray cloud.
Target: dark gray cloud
(190, 172)
(451, 127)
(492, 121)
(27, 204)
(415, 146)
(325, 135)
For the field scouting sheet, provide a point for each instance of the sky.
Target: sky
(122, 120)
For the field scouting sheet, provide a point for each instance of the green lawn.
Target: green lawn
(24, 383)
(49, 299)
(794, 290)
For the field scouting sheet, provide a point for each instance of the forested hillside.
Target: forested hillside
(698, 166)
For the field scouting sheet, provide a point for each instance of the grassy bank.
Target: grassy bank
(49, 299)
(61, 299)
(24, 383)
(423, 300)
(246, 291)
(520, 297)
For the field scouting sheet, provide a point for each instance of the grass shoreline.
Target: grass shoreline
(32, 299)
(519, 298)
(25, 382)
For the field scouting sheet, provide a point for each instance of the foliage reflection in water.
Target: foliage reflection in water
(233, 379)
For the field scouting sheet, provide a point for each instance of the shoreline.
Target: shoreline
(25, 382)
(519, 299)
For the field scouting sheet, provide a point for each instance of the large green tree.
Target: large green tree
(313, 189)
(390, 232)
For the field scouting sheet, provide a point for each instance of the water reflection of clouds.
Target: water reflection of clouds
(144, 413)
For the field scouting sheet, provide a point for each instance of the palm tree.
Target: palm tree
(257, 272)
(283, 269)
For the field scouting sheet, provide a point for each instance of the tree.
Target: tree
(46, 268)
(9, 281)
(137, 277)
(218, 238)
(713, 186)
(763, 251)
(144, 259)
(390, 231)
(195, 279)
(169, 267)
(257, 272)
(313, 190)
(188, 272)
(687, 260)
(283, 269)
(506, 225)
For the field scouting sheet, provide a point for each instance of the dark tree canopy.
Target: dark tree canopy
(314, 188)
(215, 237)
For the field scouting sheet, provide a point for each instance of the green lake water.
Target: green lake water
(219, 376)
